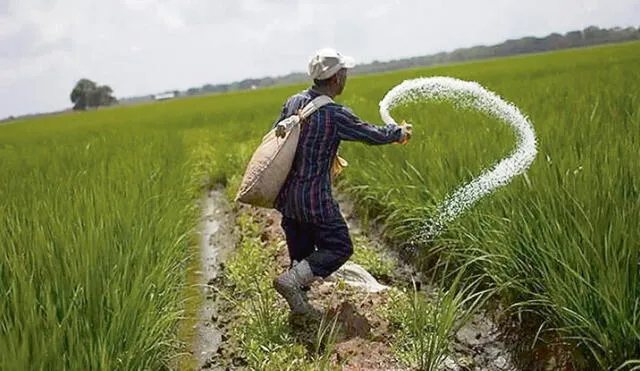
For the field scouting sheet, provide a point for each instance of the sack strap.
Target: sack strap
(314, 105)
(287, 124)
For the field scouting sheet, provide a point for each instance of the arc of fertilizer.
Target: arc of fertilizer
(471, 95)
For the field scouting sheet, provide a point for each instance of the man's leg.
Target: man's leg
(299, 239)
(290, 283)
(334, 247)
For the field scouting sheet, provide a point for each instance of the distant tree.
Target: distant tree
(595, 35)
(574, 38)
(88, 94)
(102, 96)
(81, 93)
(208, 88)
(193, 91)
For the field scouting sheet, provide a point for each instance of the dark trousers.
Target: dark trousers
(325, 246)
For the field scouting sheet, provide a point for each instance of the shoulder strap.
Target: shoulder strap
(314, 105)
(285, 125)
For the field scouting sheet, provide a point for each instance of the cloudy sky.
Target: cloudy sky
(146, 46)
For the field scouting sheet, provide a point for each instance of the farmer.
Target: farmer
(317, 235)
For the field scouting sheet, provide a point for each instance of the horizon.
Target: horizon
(164, 45)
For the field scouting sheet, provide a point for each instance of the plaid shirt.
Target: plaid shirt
(306, 195)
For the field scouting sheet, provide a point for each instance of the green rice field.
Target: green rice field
(98, 209)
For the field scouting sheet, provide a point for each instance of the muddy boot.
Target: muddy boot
(304, 288)
(289, 286)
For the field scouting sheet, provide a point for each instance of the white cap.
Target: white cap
(326, 62)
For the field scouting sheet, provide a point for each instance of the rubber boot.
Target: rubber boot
(290, 283)
(305, 288)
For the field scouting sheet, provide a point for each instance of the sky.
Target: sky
(141, 47)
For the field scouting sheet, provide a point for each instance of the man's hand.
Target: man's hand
(407, 131)
(283, 126)
(281, 130)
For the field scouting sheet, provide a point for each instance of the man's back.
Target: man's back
(306, 195)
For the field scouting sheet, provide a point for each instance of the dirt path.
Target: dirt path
(365, 337)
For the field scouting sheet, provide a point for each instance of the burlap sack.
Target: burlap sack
(270, 164)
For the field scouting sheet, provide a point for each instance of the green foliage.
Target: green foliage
(88, 94)
(426, 323)
(93, 250)
(96, 216)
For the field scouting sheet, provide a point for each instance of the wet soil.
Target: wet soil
(216, 242)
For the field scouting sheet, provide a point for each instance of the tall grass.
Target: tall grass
(92, 251)
(97, 211)
(564, 237)
(427, 322)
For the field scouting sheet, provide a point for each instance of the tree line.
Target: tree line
(589, 36)
(87, 94)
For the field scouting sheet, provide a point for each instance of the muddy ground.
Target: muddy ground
(364, 338)
(216, 243)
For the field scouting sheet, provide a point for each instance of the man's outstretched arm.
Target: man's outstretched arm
(351, 127)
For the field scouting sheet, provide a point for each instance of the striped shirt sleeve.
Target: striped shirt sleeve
(351, 127)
